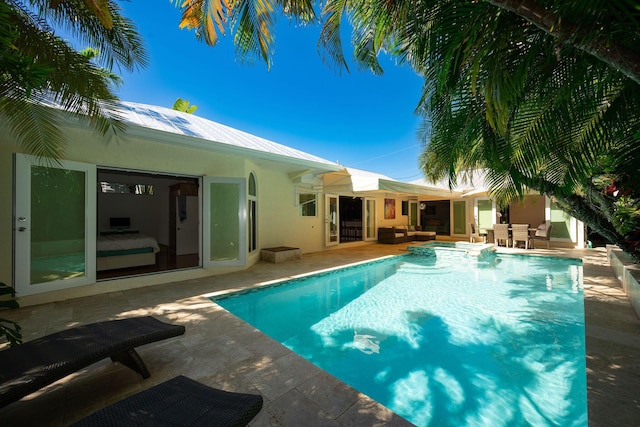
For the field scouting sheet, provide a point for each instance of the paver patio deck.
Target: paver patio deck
(222, 351)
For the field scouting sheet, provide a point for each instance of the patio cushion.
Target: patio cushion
(541, 230)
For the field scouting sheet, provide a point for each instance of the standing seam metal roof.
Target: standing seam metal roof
(177, 122)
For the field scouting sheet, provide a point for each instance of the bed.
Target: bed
(123, 250)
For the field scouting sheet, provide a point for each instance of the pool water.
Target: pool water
(449, 340)
(451, 248)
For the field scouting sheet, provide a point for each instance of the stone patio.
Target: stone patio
(220, 350)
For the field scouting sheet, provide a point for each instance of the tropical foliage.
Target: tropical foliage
(38, 67)
(9, 329)
(543, 94)
(183, 105)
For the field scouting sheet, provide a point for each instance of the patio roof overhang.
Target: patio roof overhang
(357, 181)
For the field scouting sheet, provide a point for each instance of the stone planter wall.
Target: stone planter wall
(628, 273)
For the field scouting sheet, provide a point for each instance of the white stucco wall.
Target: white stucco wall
(279, 222)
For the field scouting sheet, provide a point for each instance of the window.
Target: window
(117, 187)
(307, 203)
(252, 214)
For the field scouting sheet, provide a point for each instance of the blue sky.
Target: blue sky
(358, 119)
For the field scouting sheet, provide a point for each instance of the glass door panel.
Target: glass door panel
(225, 222)
(331, 220)
(485, 214)
(54, 225)
(370, 219)
(562, 223)
(413, 213)
(459, 217)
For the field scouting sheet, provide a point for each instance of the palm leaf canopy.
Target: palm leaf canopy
(39, 67)
(252, 21)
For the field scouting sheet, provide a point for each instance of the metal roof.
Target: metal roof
(210, 133)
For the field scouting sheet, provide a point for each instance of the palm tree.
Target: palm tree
(533, 113)
(543, 94)
(38, 68)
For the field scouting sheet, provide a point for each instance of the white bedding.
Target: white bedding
(126, 241)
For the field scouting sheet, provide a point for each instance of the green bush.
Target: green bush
(9, 329)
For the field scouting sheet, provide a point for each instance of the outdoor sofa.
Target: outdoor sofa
(402, 234)
(28, 367)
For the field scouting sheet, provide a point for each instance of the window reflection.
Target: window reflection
(121, 188)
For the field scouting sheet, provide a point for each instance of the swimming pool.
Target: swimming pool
(448, 340)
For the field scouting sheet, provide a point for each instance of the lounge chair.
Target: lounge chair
(28, 367)
(180, 401)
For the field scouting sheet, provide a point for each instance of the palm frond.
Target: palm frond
(43, 70)
(330, 39)
(119, 45)
(252, 21)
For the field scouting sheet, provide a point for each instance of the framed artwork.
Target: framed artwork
(389, 208)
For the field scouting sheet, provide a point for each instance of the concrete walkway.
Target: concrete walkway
(222, 351)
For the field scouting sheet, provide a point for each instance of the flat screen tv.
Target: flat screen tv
(119, 222)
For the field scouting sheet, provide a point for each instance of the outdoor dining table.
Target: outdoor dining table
(488, 232)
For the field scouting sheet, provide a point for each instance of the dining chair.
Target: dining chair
(501, 234)
(543, 233)
(474, 233)
(520, 233)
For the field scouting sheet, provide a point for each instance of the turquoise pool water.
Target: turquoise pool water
(450, 340)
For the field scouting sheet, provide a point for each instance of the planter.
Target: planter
(627, 270)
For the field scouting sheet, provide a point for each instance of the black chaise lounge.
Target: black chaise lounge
(180, 401)
(28, 367)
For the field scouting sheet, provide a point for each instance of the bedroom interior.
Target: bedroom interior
(146, 223)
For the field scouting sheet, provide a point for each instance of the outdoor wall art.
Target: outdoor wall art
(389, 208)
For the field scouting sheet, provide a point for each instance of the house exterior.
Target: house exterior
(205, 198)
(470, 203)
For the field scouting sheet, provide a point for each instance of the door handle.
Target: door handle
(22, 228)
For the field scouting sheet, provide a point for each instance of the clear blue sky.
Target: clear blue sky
(358, 119)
